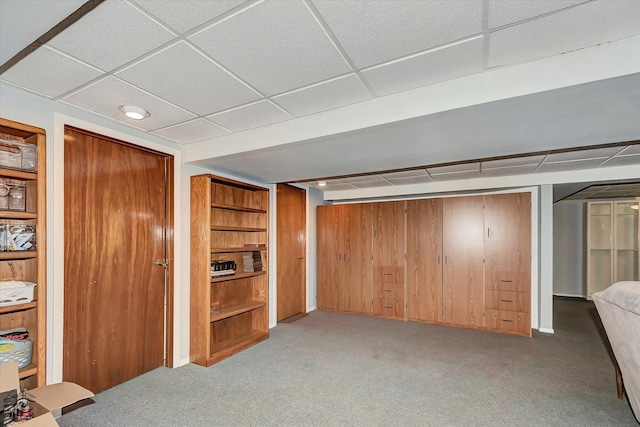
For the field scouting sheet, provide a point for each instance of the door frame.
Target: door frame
(55, 238)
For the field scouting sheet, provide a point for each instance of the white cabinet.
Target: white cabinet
(612, 243)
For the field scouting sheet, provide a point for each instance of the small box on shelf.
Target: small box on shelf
(13, 195)
(15, 154)
(17, 237)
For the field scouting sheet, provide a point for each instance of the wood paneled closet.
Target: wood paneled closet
(460, 261)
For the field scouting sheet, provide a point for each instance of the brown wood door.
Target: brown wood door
(291, 241)
(463, 238)
(114, 230)
(424, 260)
(328, 256)
(356, 281)
(388, 258)
(508, 232)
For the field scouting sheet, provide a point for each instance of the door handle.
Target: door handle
(161, 263)
(300, 257)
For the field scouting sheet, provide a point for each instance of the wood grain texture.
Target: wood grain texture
(30, 266)
(424, 260)
(508, 321)
(357, 284)
(228, 314)
(508, 300)
(327, 258)
(392, 308)
(507, 242)
(114, 231)
(291, 250)
(463, 237)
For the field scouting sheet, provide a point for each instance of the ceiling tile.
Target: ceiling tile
(624, 161)
(275, 46)
(448, 63)
(598, 153)
(575, 28)
(463, 167)
(510, 170)
(49, 72)
(569, 166)
(515, 161)
(377, 31)
(361, 178)
(261, 113)
(505, 12)
(106, 95)
(371, 184)
(332, 94)
(405, 174)
(336, 187)
(184, 15)
(192, 131)
(215, 89)
(632, 149)
(410, 180)
(455, 176)
(111, 35)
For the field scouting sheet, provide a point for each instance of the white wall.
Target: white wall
(568, 247)
(314, 199)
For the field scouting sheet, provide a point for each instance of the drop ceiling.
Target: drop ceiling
(210, 69)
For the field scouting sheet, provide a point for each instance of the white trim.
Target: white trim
(273, 256)
(535, 259)
(547, 330)
(310, 309)
(55, 249)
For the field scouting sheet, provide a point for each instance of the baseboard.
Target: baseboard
(182, 362)
(546, 330)
(310, 309)
(568, 295)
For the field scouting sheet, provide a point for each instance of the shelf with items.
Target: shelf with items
(228, 313)
(22, 220)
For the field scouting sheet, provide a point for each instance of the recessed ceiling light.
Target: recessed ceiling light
(322, 183)
(133, 112)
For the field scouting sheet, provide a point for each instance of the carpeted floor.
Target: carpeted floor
(330, 369)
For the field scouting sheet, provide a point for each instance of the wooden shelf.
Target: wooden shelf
(237, 208)
(243, 249)
(18, 255)
(227, 348)
(234, 310)
(17, 215)
(28, 371)
(18, 307)
(238, 276)
(11, 173)
(227, 228)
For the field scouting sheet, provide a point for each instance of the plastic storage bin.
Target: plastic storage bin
(16, 351)
(14, 292)
(17, 155)
(17, 237)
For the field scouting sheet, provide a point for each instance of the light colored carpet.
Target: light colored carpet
(330, 369)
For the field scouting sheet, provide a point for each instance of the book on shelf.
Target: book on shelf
(222, 273)
(221, 265)
(252, 261)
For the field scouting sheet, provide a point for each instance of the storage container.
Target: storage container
(18, 155)
(14, 292)
(17, 237)
(16, 351)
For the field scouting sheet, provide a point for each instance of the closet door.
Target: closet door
(330, 229)
(388, 259)
(424, 260)
(355, 293)
(463, 238)
(507, 246)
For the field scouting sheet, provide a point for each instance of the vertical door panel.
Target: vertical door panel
(328, 257)
(463, 237)
(357, 286)
(114, 197)
(424, 260)
(291, 241)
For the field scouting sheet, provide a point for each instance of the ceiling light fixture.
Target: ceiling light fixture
(133, 112)
(322, 183)
(634, 207)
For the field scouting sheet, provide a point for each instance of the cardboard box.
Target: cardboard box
(46, 398)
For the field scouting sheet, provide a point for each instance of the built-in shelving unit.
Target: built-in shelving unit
(29, 265)
(228, 313)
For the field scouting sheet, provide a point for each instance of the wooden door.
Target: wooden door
(291, 241)
(424, 260)
(463, 237)
(328, 256)
(356, 280)
(114, 230)
(389, 257)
